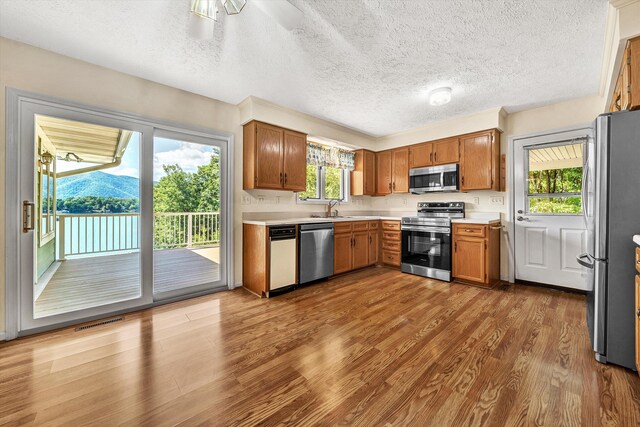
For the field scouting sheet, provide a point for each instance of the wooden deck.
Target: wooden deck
(370, 348)
(93, 281)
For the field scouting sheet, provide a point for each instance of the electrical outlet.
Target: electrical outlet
(404, 201)
(246, 199)
(497, 200)
(476, 200)
(277, 200)
(260, 200)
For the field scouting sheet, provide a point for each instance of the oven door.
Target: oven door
(426, 251)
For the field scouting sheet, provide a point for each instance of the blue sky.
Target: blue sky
(166, 151)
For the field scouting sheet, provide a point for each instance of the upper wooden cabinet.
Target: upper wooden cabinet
(626, 94)
(400, 170)
(421, 155)
(446, 151)
(384, 172)
(479, 161)
(392, 168)
(363, 177)
(274, 158)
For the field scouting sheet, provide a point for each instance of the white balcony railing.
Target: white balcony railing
(83, 234)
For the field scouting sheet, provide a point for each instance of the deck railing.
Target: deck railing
(83, 234)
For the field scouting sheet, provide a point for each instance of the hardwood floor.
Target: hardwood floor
(93, 281)
(375, 347)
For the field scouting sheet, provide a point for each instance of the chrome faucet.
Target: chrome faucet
(330, 206)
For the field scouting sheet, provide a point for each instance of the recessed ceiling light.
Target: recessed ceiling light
(440, 96)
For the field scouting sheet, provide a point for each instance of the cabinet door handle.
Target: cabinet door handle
(463, 180)
(280, 177)
(370, 239)
(389, 185)
(435, 156)
(285, 178)
(455, 247)
(431, 157)
(394, 185)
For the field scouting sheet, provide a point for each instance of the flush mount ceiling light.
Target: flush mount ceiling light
(440, 96)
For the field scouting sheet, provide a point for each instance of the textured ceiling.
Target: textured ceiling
(365, 64)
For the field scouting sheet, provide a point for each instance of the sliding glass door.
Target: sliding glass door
(111, 213)
(188, 186)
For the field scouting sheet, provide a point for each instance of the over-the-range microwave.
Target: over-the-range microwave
(434, 178)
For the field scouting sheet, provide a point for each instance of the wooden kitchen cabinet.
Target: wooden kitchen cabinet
(390, 243)
(360, 254)
(480, 161)
(392, 168)
(342, 253)
(446, 151)
(400, 170)
(421, 155)
(384, 172)
(273, 158)
(351, 244)
(374, 246)
(363, 177)
(626, 93)
(476, 253)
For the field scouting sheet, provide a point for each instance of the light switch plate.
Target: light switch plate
(246, 199)
(497, 200)
(476, 200)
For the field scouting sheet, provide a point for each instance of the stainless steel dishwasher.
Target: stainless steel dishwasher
(315, 251)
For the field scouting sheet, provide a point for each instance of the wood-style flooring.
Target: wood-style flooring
(93, 281)
(370, 348)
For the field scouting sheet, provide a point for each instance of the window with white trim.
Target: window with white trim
(325, 183)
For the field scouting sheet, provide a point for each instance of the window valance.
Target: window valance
(334, 157)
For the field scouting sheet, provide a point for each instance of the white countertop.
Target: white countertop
(636, 239)
(308, 220)
(478, 218)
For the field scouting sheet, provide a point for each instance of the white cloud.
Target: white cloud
(187, 156)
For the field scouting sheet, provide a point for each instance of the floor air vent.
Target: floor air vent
(100, 323)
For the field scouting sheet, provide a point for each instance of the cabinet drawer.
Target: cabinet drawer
(342, 227)
(638, 259)
(475, 230)
(391, 235)
(391, 258)
(373, 225)
(391, 245)
(391, 225)
(360, 226)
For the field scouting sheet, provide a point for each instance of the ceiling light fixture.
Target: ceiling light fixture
(440, 96)
(233, 7)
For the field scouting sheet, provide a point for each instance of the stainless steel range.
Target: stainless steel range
(426, 239)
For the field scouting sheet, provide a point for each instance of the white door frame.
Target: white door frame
(16, 100)
(511, 201)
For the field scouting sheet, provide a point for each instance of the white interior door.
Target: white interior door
(549, 226)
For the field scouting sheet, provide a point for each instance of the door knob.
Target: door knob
(521, 218)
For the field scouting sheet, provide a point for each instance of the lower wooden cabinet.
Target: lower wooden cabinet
(360, 255)
(342, 251)
(374, 247)
(390, 243)
(476, 253)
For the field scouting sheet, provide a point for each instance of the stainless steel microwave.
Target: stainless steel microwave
(434, 178)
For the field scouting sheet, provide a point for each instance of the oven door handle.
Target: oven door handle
(443, 230)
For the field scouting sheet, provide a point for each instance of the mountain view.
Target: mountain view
(98, 184)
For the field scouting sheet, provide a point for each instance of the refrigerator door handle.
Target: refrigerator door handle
(585, 260)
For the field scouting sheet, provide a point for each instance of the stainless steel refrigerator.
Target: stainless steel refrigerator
(611, 204)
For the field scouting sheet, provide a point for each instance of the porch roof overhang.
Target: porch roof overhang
(556, 157)
(100, 145)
